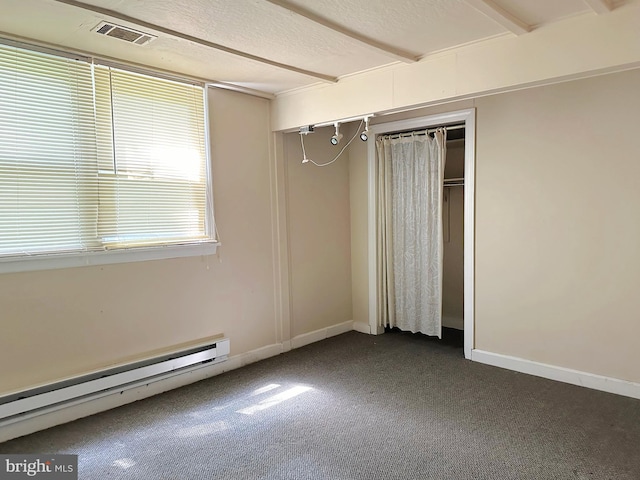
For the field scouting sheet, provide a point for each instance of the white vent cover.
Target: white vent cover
(123, 33)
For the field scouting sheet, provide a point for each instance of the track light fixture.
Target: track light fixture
(304, 131)
(335, 140)
(364, 136)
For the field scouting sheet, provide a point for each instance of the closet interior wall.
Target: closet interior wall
(453, 223)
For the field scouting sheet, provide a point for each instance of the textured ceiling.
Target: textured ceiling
(418, 26)
(313, 41)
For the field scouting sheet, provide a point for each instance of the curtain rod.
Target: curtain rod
(422, 132)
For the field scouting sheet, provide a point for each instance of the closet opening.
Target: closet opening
(456, 238)
(453, 239)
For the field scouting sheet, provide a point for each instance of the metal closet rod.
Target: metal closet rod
(454, 182)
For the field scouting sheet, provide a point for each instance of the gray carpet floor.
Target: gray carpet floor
(395, 406)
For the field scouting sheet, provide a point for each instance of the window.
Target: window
(95, 159)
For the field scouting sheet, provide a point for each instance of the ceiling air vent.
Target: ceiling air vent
(123, 33)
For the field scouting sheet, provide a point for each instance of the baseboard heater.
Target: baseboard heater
(112, 379)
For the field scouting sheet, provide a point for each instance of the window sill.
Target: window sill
(70, 260)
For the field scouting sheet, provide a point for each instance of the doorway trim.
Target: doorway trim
(468, 117)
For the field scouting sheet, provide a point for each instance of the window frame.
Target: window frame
(67, 259)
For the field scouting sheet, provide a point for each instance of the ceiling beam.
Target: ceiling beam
(501, 16)
(599, 6)
(196, 40)
(379, 47)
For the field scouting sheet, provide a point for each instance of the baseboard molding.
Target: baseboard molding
(317, 335)
(561, 374)
(100, 402)
(362, 327)
(256, 355)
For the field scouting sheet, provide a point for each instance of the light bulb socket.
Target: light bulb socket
(364, 136)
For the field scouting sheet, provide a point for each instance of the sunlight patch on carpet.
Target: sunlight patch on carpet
(203, 429)
(124, 463)
(274, 400)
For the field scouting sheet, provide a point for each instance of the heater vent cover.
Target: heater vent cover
(123, 33)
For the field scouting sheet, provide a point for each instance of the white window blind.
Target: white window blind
(95, 158)
(47, 153)
(153, 181)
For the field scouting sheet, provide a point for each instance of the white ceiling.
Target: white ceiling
(326, 39)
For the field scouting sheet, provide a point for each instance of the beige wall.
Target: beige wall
(57, 323)
(318, 233)
(453, 223)
(557, 225)
(556, 235)
(358, 204)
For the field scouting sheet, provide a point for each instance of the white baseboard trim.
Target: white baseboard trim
(340, 328)
(256, 355)
(561, 374)
(317, 335)
(100, 402)
(362, 327)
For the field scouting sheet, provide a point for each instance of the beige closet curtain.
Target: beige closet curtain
(410, 173)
